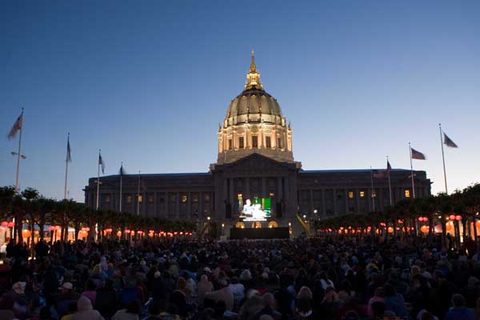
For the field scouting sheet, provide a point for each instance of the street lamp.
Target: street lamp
(208, 218)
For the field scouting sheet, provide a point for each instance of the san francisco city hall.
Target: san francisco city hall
(255, 161)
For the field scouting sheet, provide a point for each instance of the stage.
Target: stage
(259, 233)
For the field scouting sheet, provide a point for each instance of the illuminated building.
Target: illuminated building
(255, 162)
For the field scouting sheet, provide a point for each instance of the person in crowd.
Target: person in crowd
(131, 312)
(106, 299)
(85, 310)
(459, 311)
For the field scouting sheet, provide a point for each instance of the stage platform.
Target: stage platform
(259, 233)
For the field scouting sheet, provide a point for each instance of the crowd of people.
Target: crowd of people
(306, 279)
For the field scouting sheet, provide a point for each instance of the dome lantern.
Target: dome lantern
(253, 76)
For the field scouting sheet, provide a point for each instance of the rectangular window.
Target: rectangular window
(150, 198)
(241, 143)
(195, 198)
(129, 199)
(268, 142)
(230, 144)
(374, 194)
(140, 198)
(207, 197)
(350, 194)
(407, 193)
(279, 143)
(362, 194)
(107, 198)
(184, 198)
(254, 142)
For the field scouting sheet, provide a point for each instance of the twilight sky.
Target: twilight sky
(148, 82)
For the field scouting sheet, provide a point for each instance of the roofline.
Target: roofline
(355, 170)
(186, 174)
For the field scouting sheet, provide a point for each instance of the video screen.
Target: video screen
(257, 209)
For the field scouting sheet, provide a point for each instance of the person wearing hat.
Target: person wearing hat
(203, 286)
(66, 297)
(85, 310)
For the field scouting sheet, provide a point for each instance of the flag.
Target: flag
(121, 171)
(448, 142)
(16, 126)
(417, 155)
(379, 174)
(101, 163)
(69, 151)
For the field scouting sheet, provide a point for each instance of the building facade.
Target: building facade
(255, 168)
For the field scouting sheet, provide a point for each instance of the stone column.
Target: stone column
(324, 210)
(177, 207)
(201, 209)
(166, 204)
(155, 205)
(231, 195)
(279, 189)
(334, 201)
(347, 201)
(311, 203)
(264, 188)
(357, 200)
(189, 204)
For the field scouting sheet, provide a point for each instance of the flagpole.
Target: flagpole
(372, 192)
(443, 158)
(19, 155)
(389, 184)
(138, 194)
(66, 169)
(98, 181)
(411, 170)
(121, 186)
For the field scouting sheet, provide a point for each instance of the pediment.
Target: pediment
(258, 164)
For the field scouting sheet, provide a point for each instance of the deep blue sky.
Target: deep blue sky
(148, 82)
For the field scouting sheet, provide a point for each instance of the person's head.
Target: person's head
(90, 285)
(458, 300)
(330, 295)
(181, 284)
(97, 269)
(84, 304)
(246, 275)
(352, 315)
(204, 278)
(269, 300)
(223, 282)
(304, 292)
(157, 306)
(66, 287)
(109, 284)
(134, 307)
(379, 292)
